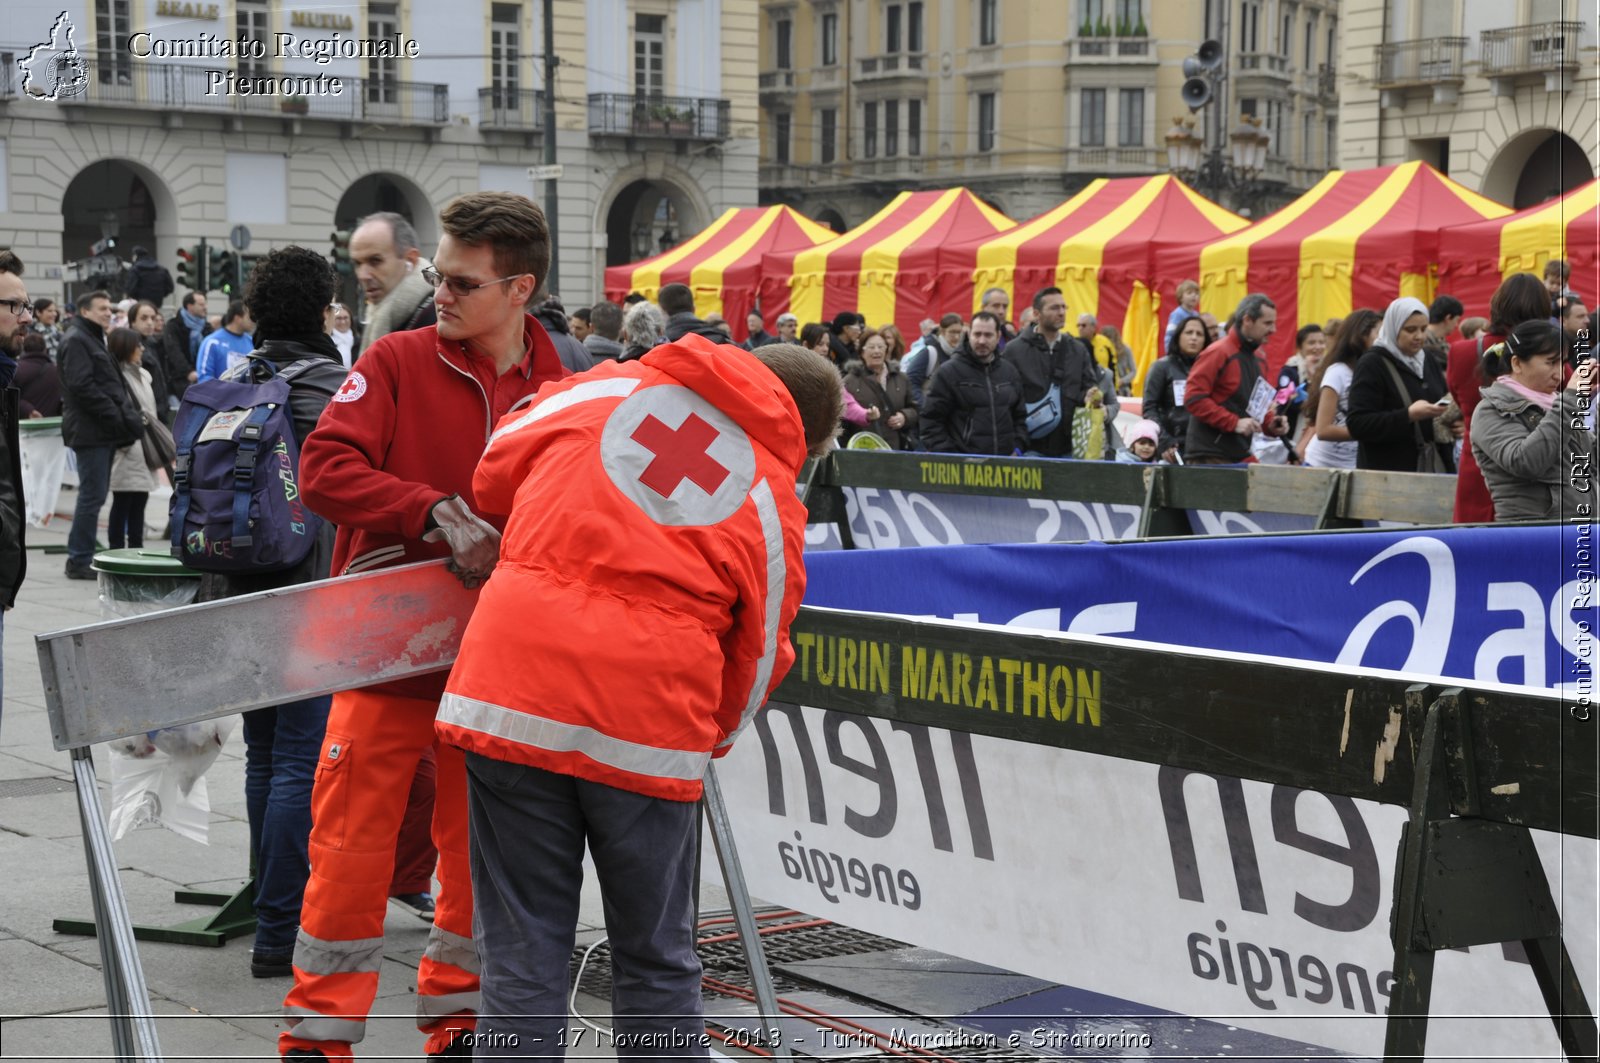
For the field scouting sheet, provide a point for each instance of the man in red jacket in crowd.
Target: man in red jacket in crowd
(391, 464)
(1229, 381)
(637, 621)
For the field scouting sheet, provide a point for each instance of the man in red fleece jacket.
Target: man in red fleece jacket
(391, 464)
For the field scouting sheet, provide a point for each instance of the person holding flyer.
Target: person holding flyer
(1228, 395)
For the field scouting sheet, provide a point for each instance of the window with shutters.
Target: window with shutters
(828, 120)
(649, 55)
(784, 38)
(114, 63)
(914, 127)
(1130, 118)
(891, 29)
(869, 130)
(986, 121)
(781, 123)
(829, 35)
(1092, 118)
(383, 20)
(505, 54)
(891, 127)
(252, 22)
(988, 22)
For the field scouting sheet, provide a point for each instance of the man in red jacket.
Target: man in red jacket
(637, 621)
(391, 464)
(1229, 381)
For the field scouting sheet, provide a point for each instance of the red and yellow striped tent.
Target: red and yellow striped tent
(722, 263)
(886, 268)
(1358, 238)
(1475, 258)
(1099, 248)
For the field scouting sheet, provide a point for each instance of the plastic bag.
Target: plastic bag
(126, 596)
(159, 778)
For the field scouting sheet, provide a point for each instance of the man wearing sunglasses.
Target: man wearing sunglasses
(391, 463)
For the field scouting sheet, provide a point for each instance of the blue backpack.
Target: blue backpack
(236, 503)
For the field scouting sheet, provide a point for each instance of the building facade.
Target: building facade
(1499, 94)
(164, 129)
(1025, 101)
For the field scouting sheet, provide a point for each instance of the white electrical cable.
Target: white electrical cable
(572, 1002)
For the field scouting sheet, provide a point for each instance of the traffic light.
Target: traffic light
(191, 269)
(340, 255)
(224, 271)
(247, 265)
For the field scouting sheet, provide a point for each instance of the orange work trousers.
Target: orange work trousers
(358, 802)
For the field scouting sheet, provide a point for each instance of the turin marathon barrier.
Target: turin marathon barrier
(885, 499)
(969, 788)
(126, 677)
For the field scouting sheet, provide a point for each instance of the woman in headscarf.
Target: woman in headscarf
(1395, 394)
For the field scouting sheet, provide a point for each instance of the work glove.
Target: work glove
(474, 543)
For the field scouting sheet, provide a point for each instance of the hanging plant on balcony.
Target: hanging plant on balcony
(1122, 27)
(1141, 30)
(1087, 29)
(1104, 29)
(295, 105)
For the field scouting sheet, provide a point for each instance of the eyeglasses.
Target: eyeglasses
(18, 307)
(460, 288)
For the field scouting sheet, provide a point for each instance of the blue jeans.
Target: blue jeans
(94, 483)
(281, 747)
(528, 832)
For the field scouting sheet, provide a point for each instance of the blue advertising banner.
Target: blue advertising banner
(1505, 604)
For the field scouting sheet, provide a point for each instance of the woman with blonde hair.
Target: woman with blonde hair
(895, 339)
(878, 386)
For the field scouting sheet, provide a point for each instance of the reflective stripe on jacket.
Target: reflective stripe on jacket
(649, 572)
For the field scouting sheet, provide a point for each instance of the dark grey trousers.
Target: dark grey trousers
(529, 827)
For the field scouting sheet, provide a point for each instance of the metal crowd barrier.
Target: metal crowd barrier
(1335, 498)
(1451, 745)
(1467, 872)
(125, 677)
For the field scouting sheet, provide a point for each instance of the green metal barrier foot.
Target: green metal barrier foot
(234, 918)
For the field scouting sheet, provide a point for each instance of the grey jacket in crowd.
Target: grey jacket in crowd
(1538, 464)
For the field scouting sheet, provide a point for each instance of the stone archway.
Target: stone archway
(831, 218)
(109, 207)
(647, 218)
(1534, 166)
(385, 191)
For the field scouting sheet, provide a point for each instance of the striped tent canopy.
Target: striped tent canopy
(1358, 238)
(886, 268)
(1099, 248)
(1475, 258)
(722, 263)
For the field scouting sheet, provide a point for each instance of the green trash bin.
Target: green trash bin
(141, 580)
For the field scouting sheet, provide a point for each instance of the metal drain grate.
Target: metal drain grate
(33, 787)
(724, 961)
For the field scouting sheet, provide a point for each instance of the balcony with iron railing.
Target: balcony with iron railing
(117, 80)
(515, 110)
(1436, 63)
(1111, 50)
(1265, 65)
(669, 117)
(1327, 81)
(1113, 160)
(894, 65)
(775, 87)
(1543, 50)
